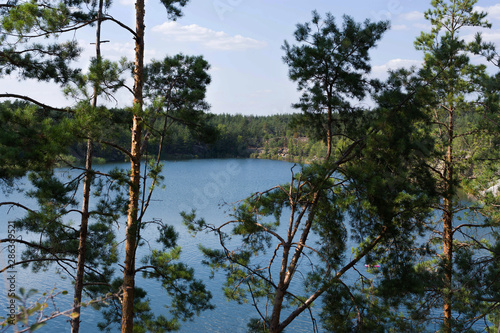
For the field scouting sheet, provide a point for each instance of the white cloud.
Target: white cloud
(212, 39)
(381, 71)
(493, 11)
(491, 36)
(115, 51)
(423, 27)
(487, 36)
(412, 16)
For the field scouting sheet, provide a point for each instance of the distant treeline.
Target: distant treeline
(271, 137)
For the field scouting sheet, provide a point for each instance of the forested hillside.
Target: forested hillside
(270, 137)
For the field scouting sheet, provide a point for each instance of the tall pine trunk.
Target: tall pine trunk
(448, 226)
(448, 265)
(135, 177)
(82, 246)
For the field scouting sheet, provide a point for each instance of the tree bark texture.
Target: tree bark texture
(135, 177)
(448, 227)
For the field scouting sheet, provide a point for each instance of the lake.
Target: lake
(204, 185)
(209, 187)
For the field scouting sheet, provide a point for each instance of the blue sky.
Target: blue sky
(242, 39)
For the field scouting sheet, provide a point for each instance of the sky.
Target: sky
(242, 39)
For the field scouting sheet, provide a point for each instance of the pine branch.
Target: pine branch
(29, 99)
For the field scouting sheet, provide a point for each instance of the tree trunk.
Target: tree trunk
(82, 246)
(280, 292)
(135, 177)
(329, 134)
(132, 228)
(448, 227)
(286, 273)
(448, 266)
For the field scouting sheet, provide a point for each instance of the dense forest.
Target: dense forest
(238, 136)
(391, 225)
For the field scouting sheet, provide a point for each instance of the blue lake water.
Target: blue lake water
(209, 186)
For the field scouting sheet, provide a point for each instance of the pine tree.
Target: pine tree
(463, 128)
(448, 274)
(87, 183)
(22, 24)
(380, 152)
(330, 66)
(93, 123)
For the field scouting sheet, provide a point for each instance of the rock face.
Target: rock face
(493, 190)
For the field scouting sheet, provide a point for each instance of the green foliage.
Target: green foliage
(237, 135)
(373, 187)
(187, 296)
(25, 310)
(104, 78)
(59, 238)
(145, 320)
(246, 136)
(173, 8)
(257, 326)
(369, 179)
(29, 16)
(452, 95)
(493, 317)
(318, 198)
(330, 66)
(23, 22)
(32, 139)
(175, 89)
(387, 192)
